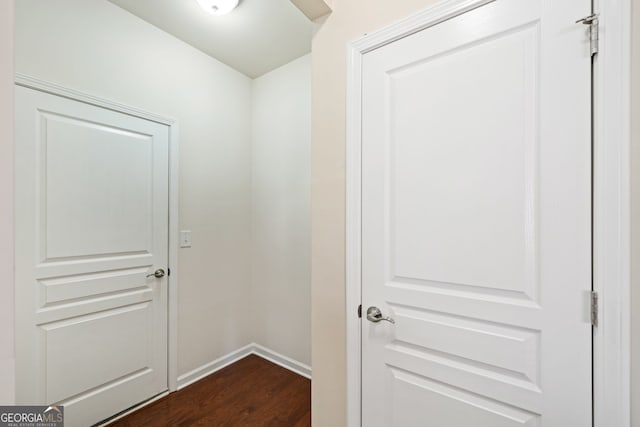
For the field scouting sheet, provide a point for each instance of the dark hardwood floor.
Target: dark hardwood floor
(250, 392)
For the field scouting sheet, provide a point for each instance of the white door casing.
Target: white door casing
(476, 221)
(92, 223)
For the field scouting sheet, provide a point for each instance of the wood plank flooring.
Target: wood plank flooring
(251, 392)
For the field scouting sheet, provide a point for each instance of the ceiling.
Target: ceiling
(257, 37)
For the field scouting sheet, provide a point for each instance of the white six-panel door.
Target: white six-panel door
(91, 224)
(476, 238)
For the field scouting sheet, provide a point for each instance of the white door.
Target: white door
(476, 204)
(92, 223)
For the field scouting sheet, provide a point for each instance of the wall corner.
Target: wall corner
(314, 9)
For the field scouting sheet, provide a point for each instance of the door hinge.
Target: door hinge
(594, 308)
(594, 26)
(360, 311)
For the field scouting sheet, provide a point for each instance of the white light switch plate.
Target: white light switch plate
(185, 239)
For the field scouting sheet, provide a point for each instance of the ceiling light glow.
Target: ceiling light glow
(218, 7)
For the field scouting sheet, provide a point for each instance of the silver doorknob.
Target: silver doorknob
(375, 315)
(159, 273)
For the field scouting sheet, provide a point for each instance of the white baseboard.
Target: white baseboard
(213, 366)
(284, 361)
(266, 353)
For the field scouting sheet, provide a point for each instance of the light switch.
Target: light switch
(185, 239)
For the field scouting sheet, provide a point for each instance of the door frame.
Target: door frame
(611, 201)
(172, 279)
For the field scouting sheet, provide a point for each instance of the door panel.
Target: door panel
(92, 223)
(476, 221)
(493, 150)
(70, 373)
(84, 192)
(419, 401)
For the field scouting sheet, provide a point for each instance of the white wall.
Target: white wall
(6, 204)
(281, 219)
(95, 47)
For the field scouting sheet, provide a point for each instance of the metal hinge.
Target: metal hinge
(360, 311)
(594, 24)
(594, 308)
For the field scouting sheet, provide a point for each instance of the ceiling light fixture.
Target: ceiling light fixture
(218, 7)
